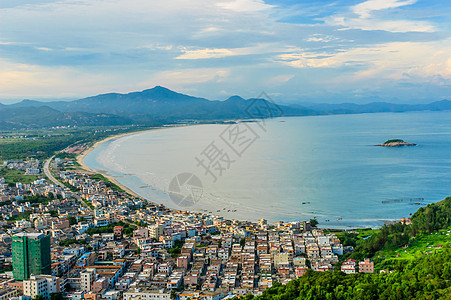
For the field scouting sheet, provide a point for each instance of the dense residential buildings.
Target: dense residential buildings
(92, 242)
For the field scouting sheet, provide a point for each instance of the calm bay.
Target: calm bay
(296, 168)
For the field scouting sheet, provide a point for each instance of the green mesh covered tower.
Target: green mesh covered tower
(31, 255)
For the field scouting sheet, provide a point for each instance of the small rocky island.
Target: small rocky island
(396, 143)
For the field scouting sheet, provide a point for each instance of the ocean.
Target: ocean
(289, 169)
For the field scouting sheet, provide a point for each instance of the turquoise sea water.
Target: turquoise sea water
(295, 168)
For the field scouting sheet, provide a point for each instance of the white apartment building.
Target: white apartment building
(40, 285)
(87, 277)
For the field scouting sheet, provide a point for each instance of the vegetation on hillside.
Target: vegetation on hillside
(423, 278)
(424, 221)
(13, 118)
(420, 271)
(394, 141)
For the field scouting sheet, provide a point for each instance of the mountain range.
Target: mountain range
(160, 105)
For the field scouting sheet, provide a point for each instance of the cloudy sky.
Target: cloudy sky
(295, 50)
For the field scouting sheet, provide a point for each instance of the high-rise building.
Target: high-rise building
(31, 255)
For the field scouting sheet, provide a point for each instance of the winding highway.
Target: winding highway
(76, 196)
(55, 181)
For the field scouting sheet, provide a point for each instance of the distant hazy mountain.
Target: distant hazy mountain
(351, 108)
(160, 105)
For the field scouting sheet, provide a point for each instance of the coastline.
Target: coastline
(143, 193)
(80, 159)
(83, 166)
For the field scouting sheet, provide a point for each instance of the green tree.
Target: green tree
(56, 296)
(72, 220)
(313, 222)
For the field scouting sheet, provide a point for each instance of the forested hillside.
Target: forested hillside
(424, 276)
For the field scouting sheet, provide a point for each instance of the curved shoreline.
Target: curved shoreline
(81, 157)
(115, 178)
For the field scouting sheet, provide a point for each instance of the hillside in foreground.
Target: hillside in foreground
(414, 262)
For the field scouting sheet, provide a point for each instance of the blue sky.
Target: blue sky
(296, 51)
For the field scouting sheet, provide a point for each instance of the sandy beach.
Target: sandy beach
(81, 157)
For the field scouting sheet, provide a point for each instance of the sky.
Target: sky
(296, 51)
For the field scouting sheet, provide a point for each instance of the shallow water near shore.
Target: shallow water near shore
(295, 168)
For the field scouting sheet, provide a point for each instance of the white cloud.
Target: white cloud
(386, 25)
(209, 30)
(126, 45)
(365, 9)
(363, 17)
(29, 81)
(280, 79)
(224, 52)
(207, 53)
(177, 79)
(157, 46)
(396, 60)
(322, 38)
(74, 49)
(245, 5)
(7, 43)
(44, 49)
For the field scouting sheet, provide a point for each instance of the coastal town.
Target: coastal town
(225, 149)
(72, 234)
